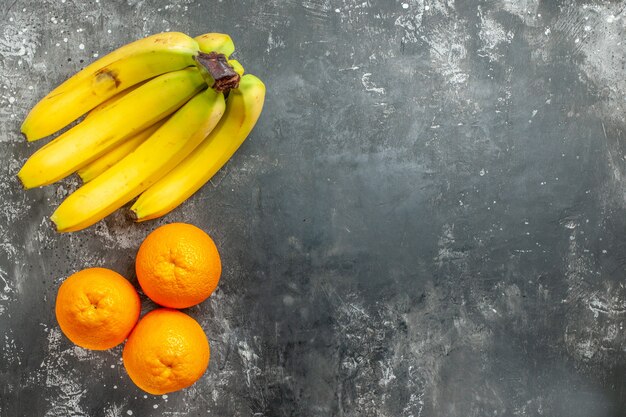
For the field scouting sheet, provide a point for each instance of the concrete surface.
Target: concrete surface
(429, 219)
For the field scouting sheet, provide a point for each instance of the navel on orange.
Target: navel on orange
(178, 265)
(97, 308)
(167, 351)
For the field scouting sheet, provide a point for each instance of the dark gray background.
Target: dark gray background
(428, 220)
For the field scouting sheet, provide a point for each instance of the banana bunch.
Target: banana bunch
(160, 116)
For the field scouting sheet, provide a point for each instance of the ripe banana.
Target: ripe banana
(161, 152)
(90, 139)
(243, 108)
(122, 68)
(106, 161)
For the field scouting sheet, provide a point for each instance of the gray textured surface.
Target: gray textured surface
(428, 220)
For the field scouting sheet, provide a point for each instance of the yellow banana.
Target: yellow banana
(106, 161)
(122, 68)
(90, 139)
(243, 108)
(161, 152)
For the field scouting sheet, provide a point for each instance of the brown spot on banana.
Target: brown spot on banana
(108, 78)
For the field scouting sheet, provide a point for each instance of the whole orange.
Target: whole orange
(178, 265)
(167, 351)
(97, 308)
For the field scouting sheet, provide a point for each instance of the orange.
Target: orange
(97, 308)
(167, 351)
(178, 265)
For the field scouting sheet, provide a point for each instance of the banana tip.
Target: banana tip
(26, 133)
(23, 183)
(132, 214)
(56, 225)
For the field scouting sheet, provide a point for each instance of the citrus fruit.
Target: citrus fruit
(167, 351)
(178, 265)
(97, 308)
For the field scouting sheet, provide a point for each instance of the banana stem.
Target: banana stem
(216, 71)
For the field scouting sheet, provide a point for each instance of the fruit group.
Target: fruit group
(128, 141)
(178, 265)
(97, 308)
(167, 351)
